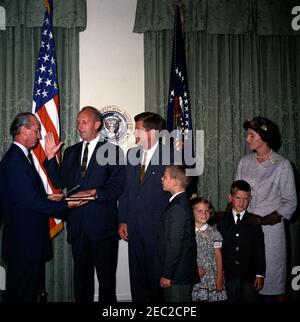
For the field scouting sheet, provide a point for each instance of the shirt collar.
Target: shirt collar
(176, 194)
(234, 212)
(150, 152)
(203, 228)
(92, 143)
(22, 147)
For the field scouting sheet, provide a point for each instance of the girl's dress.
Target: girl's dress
(207, 239)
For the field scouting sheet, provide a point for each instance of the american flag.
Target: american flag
(46, 104)
(179, 109)
(179, 112)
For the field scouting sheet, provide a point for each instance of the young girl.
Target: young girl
(209, 256)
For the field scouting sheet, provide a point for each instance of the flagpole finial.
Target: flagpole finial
(180, 5)
(47, 5)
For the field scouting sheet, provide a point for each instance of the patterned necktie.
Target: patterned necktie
(84, 160)
(143, 168)
(238, 219)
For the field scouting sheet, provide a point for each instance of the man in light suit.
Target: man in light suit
(92, 228)
(26, 210)
(141, 206)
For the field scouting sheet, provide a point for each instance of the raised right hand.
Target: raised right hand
(51, 147)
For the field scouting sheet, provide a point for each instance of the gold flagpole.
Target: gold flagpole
(47, 5)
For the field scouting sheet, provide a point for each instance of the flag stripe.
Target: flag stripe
(53, 113)
(46, 121)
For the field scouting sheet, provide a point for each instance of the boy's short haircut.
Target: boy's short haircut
(178, 172)
(240, 185)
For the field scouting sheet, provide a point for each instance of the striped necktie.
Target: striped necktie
(84, 160)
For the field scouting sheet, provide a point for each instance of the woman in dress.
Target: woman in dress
(273, 198)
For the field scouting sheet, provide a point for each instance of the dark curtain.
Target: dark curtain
(243, 61)
(19, 45)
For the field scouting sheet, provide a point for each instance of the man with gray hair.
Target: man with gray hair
(26, 209)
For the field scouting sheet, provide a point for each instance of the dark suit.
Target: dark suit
(177, 244)
(92, 228)
(26, 210)
(141, 206)
(243, 249)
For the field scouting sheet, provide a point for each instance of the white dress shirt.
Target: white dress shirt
(92, 145)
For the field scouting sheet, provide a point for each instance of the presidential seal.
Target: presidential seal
(117, 124)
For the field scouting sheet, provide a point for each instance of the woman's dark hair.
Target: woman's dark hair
(267, 130)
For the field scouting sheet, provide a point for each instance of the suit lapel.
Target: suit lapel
(93, 160)
(76, 163)
(231, 219)
(31, 167)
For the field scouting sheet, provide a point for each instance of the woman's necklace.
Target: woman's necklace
(263, 157)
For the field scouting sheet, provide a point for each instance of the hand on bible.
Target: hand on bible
(74, 204)
(85, 193)
(56, 196)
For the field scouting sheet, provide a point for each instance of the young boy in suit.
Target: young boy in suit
(177, 246)
(243, 247)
